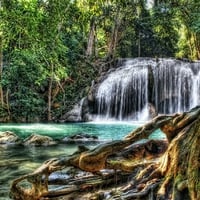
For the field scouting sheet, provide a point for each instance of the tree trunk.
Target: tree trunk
(139, 44)
(49, 116)
(114, 35)
(196, 45)
(144, 171)
(91, 39)
(1, 70)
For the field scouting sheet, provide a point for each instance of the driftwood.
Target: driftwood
(157, 170)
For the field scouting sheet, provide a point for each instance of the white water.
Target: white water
(168, 84)
(173, 84)
(124, 93)
(80, 109)
(196, 91)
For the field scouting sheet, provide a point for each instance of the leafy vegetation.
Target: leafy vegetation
(50, 50)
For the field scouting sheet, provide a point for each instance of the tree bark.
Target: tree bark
(1, 70)
(170, 174)
(49, 116)
(114, 35)
(91, 39)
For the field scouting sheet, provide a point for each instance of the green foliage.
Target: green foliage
(23, 83)
(187, 13)
(43, 45)
(165, 30)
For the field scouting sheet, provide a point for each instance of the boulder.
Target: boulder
(38, 140)
(8, 138)
(73, 115)
(79, 113)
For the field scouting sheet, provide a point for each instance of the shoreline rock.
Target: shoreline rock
(9, 138)
(39, 140)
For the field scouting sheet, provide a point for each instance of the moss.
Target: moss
(178, 179)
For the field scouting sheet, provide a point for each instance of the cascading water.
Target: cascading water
(176, 85)
(124, 93)
(169, 85)
(195, 100)
(80, 110)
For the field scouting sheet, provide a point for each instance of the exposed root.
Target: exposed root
(169, 177)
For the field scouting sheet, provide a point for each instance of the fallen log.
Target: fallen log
(170, 174)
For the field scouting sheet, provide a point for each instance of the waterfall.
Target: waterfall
(176, 85)
(195, 100)
(173, 83)
(80, 109)
(124, 93)
(169, 85)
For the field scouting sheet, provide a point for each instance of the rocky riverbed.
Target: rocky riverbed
(8, 138)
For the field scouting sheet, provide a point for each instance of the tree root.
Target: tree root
(174, 172)
(144, 192)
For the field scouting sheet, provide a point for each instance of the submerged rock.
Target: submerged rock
(39, 140)
(8, 138)
(80, 137)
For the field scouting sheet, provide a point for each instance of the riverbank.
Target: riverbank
(153, 166)
(17, 160)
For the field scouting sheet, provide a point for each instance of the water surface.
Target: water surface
(16, 161)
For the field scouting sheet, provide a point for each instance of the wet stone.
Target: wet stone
(9, 138)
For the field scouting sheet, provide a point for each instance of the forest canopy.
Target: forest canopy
(51, 50)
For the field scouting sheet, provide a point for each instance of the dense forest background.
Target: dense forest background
(51, 50)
